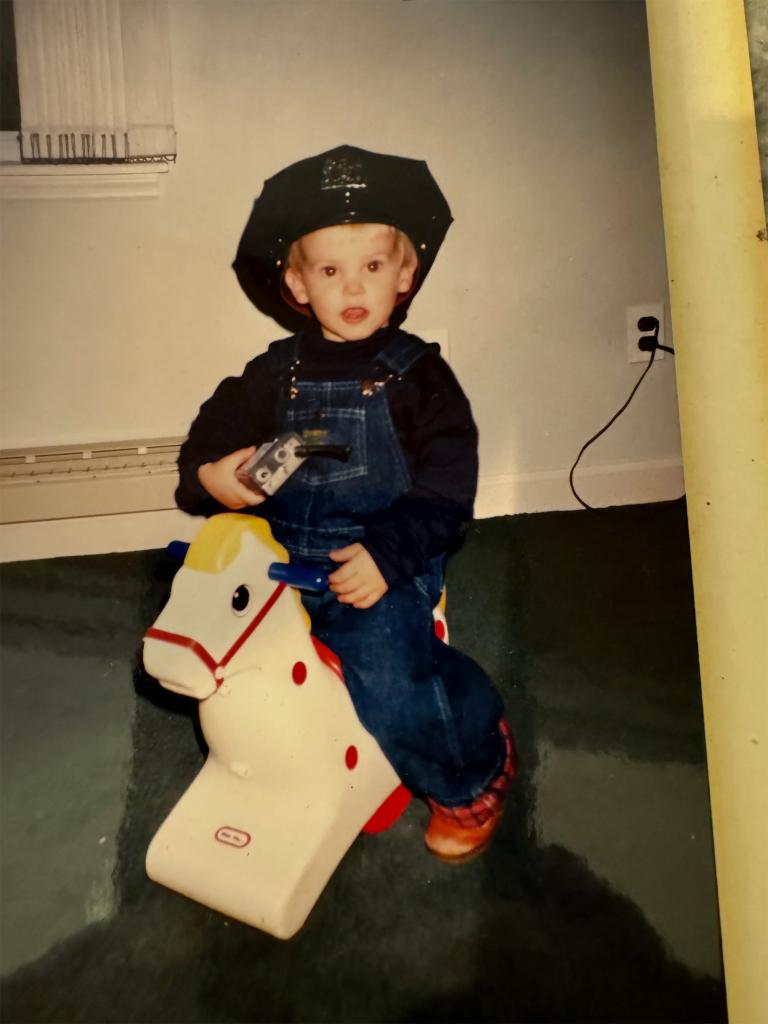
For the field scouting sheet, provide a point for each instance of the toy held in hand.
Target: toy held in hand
(273, 462)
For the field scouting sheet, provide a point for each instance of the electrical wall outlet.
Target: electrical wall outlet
(634, 334)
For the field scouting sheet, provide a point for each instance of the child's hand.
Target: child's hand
(358, 582)
(220, 480)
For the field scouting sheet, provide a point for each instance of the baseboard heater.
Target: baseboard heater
(106, 478)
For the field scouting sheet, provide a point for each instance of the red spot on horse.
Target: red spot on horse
(299, 673)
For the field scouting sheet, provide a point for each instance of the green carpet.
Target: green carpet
(596, 902)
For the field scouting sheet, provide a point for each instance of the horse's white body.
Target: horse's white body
(291, 777)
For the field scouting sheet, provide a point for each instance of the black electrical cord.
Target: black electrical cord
(651, 344)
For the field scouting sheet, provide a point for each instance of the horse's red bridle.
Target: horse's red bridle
(197, 648)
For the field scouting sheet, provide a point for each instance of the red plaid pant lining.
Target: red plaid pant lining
(489, 802)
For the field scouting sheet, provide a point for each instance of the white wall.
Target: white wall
(536, 118)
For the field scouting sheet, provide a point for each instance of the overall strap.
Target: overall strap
(399, 354)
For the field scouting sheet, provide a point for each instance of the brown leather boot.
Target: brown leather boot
(457, 834)
(457, 843)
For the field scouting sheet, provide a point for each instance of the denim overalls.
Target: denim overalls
(433, 711)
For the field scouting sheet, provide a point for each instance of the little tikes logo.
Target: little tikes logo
(232, 836)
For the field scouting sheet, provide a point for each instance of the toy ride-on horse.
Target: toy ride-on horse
(291, 777)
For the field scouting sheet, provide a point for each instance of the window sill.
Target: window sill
(81, 181)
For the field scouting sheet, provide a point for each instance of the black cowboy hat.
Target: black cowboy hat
(345, 185)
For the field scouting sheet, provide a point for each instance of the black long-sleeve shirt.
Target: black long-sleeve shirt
(434, 424)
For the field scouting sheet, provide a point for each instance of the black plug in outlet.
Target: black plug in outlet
(648, 323)
(647, 320)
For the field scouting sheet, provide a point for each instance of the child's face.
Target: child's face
(351, 276)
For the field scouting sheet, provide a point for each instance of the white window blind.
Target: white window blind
(94, 81)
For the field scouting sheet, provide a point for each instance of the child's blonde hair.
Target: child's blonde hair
(402, 242)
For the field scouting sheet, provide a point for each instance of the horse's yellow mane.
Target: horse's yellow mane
(218, 542)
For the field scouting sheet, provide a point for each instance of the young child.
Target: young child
(337, 245)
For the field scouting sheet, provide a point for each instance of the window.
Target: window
(10, 114)
(94, 80)
(88, 108)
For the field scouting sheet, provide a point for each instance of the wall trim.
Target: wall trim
(633, 484)
(95, 535)
(82, 181)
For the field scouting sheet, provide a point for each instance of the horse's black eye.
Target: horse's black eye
(240, 598)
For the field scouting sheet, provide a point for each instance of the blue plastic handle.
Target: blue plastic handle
(177, 550)
(303, 577)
